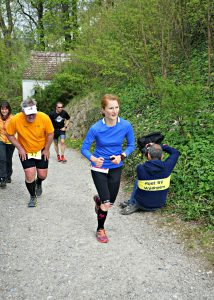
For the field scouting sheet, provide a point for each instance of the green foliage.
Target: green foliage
(63, 88)
(73, 143)
(12, 63)
(154, 56)
(191, 192)
(180, 102)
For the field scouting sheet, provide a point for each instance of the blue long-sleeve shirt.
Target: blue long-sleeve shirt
(154, 179)
(109, 141)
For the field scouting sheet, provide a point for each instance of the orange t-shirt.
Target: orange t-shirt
(3, 126)
(31, 136)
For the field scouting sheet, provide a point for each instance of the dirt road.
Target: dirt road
(50, 252)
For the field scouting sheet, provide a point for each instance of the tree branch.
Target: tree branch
(26, 14)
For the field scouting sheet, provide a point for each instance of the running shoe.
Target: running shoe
(32, 202)
(8, 180)
(130, 209)
(101, 236)
(58, 158)
(38, 189)
(124, 204)
(3, 183)
(97, 203)
(63, 159)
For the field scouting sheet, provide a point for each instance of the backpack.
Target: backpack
(154, 137)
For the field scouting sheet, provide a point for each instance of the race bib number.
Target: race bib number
(101, 170)
(35, 155)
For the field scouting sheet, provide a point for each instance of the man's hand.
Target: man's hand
(46, 154)
(22, 154)
(149, 145)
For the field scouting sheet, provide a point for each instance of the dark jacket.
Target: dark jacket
(153, 180)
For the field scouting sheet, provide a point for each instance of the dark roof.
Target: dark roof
(43, 65)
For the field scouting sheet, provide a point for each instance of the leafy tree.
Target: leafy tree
(53, 22)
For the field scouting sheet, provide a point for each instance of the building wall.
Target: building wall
(29, 85)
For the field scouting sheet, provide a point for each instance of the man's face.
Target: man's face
(30, 118)
(59, 108)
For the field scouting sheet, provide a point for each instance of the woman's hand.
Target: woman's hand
(115, 159)
(97, 160)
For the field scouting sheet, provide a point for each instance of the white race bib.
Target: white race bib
(101, 170)
(35, 155)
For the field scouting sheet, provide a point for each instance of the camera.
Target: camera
(145, 150)
(154, 137)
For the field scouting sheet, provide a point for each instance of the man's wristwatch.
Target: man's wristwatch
(123, 156)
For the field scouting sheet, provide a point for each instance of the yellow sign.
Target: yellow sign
(154, 185)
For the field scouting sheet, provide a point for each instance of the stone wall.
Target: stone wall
(78, 113)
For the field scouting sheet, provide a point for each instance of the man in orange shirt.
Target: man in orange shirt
(35, 132)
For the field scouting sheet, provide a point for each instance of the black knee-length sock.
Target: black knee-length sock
(39, 180)
(101, 217)
(31, 187)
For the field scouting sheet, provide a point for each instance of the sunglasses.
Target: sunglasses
(59, 106)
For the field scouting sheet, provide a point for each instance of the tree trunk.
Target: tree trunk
(6, 29)
(75, 20)
(66, 24)
(40, 12)
(209, 42)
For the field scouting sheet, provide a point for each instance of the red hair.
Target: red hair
(108, 97)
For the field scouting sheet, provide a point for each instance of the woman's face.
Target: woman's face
(111, 110)
(4, 111)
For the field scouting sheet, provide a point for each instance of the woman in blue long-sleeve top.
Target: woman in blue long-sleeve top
(109, 134)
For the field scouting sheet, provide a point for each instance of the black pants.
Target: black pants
(107, 185)
(6, 154)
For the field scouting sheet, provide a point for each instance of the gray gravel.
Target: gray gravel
(50, 252)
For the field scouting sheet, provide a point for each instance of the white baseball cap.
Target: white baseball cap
(30, 110)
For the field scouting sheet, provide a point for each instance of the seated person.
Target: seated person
(153, 180)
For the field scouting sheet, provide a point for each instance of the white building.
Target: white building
(40, 70)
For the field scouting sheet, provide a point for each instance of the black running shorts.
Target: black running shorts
(32, 162)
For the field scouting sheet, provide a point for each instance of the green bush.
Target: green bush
(63, 88)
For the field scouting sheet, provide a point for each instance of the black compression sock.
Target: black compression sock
(31, 187)
(39, 180)
(101, 217)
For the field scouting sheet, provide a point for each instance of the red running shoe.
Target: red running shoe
(63, 159)
(101, 236)
(58, 158)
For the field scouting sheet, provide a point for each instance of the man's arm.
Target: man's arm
(173, 158)
(67, 123)
(21, 150)
(46, 150)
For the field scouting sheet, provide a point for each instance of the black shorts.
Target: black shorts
(107, 185)
(59, 133)
(32, 162)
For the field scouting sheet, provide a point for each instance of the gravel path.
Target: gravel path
(50, 252)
